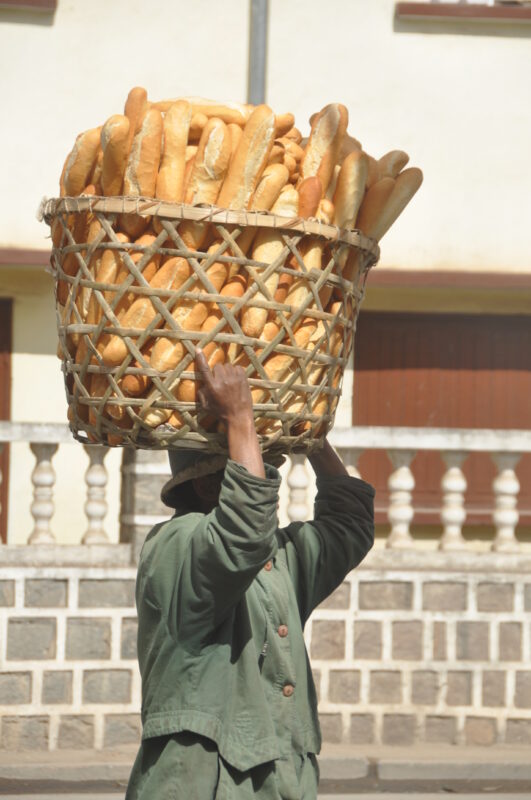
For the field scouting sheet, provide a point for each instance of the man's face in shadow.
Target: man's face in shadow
(207, 488)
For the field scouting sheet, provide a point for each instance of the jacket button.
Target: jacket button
(288, 690)
(268, 566)
(282, 631)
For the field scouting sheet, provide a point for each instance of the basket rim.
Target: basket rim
(148, 206)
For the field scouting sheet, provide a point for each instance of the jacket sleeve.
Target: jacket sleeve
(198, 575)
(322, 552)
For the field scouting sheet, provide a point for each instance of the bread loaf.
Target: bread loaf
(170, 179)
(135, 108)
(405, 186)
(324, 145)
(267, 248)
(283, 124)
(148, 271)
(80, 162)
(249, 159)
(114, 141)
(228, 112)
(392, 163)
(140, 176)
(171, 275)
(350, 189)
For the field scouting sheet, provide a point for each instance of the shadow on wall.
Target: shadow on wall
(515, 30)
(35, 12)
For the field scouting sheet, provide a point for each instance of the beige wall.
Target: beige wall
(38, 395)
(458, 102)
(455, 98)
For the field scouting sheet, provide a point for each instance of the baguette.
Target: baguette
(197, 125)
(405, 186)
(267, 248)
(136, 385)
(211, 163)
(228, 112)
(350, 189)
(170, 179)
(97, 171)
(114, 141)
(392, 163)
(208, 171)
(278, 365)
(369, 213)
(294, 134)
(186, 389)
(141, 313)
(189, 315)
(249, 159)
(283, 124)
(140, 176)
(324, 145)
(148, 271)
(373, 204)
(80, 162)
(135, 108)
(109, 266)
(236, 134)
(80, 222)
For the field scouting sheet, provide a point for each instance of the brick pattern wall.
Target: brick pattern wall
(435, 657)
(398, 657)
(68, 671)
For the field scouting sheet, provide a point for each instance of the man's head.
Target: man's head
(196, 480)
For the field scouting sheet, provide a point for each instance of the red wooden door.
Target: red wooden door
(5, 395)
(444, 370)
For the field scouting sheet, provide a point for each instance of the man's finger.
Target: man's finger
(202, 366)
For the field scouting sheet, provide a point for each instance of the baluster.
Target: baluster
(505, 515)
(43, 480)
(453, 513)
(351, 457)
(401, 484)
(298, 488)
(1, 480)
(96, 506)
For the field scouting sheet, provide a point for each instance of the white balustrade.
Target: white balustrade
(96, 478)
(1, 476)
(453, 514)
(43, 480)
(298, 482)
(351, 456)
(505, 516)
(401, 484)
(401, 444)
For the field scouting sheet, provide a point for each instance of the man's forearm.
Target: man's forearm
(243, 445)
(326, 462)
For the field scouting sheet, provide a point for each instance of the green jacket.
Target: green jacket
(222, 600)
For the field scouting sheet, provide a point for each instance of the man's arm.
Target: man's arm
(320, 553)
(225, 394)
(198, 579)
(326, 462)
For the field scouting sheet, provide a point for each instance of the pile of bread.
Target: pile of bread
(241, 157)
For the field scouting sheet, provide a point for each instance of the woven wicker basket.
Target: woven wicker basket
(295, 412)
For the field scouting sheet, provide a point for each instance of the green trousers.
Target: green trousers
(185, 766)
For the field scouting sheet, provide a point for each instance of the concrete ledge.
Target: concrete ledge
(346, 773)
(57, 555)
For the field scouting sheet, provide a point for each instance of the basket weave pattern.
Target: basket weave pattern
(294, 412)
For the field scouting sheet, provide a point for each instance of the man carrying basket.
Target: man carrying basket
(229, 708)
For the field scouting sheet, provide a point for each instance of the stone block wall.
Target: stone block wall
(399, 656)
(68, 671)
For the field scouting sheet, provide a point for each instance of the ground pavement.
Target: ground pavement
(347, 773)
